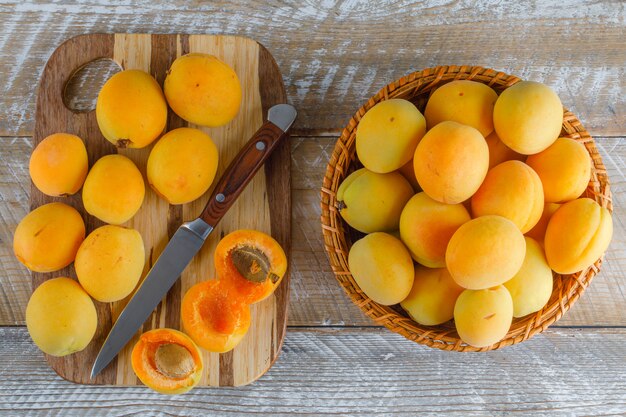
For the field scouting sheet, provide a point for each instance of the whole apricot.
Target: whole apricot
(426, 227)
(182, 165)
(131, 110)
(539, 231)
(512, 190)
(463, 101)
(109, 262)
(485, 252)
(499, 152)
(58, 165)
(483, 317)
(48, 238)
(578, 233)
(371, 202)
(382, 267)
(564, 169)
(203, 90)
(451, 162)
(114, 189)
(61, 318)
(387, 135)
(432, 297)
(528, 117)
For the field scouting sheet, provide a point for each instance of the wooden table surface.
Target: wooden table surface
(333, 56)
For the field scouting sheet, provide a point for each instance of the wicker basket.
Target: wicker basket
(338, 236)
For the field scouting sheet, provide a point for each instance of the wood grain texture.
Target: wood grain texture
(334, 55)
(157, 220)
(371, 372)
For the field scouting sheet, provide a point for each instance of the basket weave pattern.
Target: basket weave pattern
(416, 87)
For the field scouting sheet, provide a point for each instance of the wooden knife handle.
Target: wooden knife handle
(240, 171)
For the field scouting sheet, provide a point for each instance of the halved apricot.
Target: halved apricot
(167, 361)
(251, 262)
(214, 317)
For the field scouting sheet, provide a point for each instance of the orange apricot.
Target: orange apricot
(499, 152)
(539, 231)
(408, 172)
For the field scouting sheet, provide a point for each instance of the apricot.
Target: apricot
(214, 318)
(372, 202)
(485, 252)
(60, 316)
(387, 135)
(538, 232)
(109, 262)
(528, 117)
(432, 297)
(463, 101)
(203, 90)
(167, 361)
(578, 233)
(451, 162)
(499, 152)
(47, 238)
(408, 172)
(114, 189)
(131, 110)
(531, 287)
(58, 165)
(426, 227)
(564, 169)
(483, 317)
(182, 165)
(512, 190)
(382, 267)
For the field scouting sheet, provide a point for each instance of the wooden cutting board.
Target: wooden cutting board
(264, 205)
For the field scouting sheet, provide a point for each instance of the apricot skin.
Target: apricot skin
(426, 227)
(109, 262)
(538, 232)
(131, 110)
(578, 233)
(512, 190)
(58, 165)
(48, 238)
(203, 90)
(463, 101)
(564, 169)
(499, 152)
(114, 189)
(60, 316)
(485, 252)
(451, 162)
(182, 165)
(408, 172)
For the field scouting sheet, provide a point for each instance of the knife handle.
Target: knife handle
(241, 170)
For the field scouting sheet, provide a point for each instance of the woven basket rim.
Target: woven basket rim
(415, 87)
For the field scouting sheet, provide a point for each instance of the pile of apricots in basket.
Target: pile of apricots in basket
(131, 112)
(470, 207)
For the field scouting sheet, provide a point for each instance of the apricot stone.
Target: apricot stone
(48, 238)
(109, 262)
(512, 190)
(382, 267)
(451, 162)
(131, 109)
(114, 189)
(61, 318)
(499, 152)
(203, 90)
(463, 101)
(528, 117)
(564, 169)
(432, 298)
(578, 233)
(387, 135)
(371, 202)
(539, 231)
(485, 252)
(426, 227)
(58, 165)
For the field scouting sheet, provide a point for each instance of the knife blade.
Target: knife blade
(190, 236)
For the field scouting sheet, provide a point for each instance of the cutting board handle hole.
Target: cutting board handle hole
(81, 90)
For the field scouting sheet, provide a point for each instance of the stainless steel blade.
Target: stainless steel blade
(282, 115)
(183, 246)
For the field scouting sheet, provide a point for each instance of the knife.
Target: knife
(190, 236)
